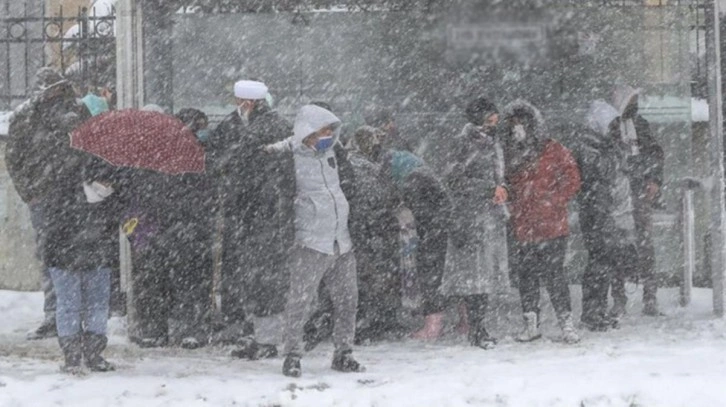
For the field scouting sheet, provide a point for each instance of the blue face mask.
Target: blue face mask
(324, 144)
(203, 135)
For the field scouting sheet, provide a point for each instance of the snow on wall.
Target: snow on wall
(699, 110)
(4, 123)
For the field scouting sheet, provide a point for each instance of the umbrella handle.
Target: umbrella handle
(130, 225)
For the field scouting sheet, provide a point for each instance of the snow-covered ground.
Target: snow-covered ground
(678, 360)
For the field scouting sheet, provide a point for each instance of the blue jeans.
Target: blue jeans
(82, 300)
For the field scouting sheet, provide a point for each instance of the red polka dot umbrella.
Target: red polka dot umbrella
(139, 139)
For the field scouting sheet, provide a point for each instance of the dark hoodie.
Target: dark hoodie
(606, 210)
(38, 149)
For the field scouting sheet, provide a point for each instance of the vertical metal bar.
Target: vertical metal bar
(27, 48)
(62, 39)
(8, 85)
(689, 247)
(718, 254)
(44, 46)
(83, 37)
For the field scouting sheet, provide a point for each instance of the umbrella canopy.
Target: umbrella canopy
(138, 139)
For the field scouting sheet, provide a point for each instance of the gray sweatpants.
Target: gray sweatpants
(307, 269)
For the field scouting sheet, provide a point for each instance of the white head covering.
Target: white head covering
(600, 115)
(251, 90)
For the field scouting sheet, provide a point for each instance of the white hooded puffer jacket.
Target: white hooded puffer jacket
(321, 209)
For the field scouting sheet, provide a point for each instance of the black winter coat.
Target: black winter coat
(36, 153)
(257, 193)
(648, 165)
(603, 170)
(373, 227)
(81, 236)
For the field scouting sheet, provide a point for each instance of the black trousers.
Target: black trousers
(476, 309)
(539, 263)
(604, 265)
(172, 282)
(232, 277)
(430, 262)
(643, 262)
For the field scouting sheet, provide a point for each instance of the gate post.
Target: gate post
(718, 254)
(129, 54)
(130, 94)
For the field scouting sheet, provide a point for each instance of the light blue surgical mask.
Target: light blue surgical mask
(203, 135)
(324, 143)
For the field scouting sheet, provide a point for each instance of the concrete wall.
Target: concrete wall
(19, 268)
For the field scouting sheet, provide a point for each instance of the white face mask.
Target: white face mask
(519, 133)
(96, 192)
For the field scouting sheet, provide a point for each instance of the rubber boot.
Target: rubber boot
(291, 366)
(463, 327)
(72, 353)
(433, 326)
(343, 361)
(93, 346)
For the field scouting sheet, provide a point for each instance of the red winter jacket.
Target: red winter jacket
(539, 194)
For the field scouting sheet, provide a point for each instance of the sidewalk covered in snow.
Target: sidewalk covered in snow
(678, 360)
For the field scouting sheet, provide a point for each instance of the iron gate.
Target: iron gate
(80, 44)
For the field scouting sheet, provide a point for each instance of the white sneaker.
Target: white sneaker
(569, 332)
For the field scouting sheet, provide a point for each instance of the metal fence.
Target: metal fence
(81, 44)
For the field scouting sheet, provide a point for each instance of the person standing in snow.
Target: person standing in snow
(542, 177)
(35, 156)
(256, 194)
(373, 228)
(645, 159)
(79, 248)
(476, 259)
(169, 225)
(415, 187)
(323, 247)
(606, 211)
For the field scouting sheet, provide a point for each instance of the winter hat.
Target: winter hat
(190, 117)
(250, 90)
(47, 77)
(95, 104)
(403, 164)
(377, 116)
(478, 109)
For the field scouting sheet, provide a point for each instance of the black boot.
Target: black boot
(478, 336)
(46, 330)
(249, 348)
(72, 353)
(93, 346)
(343, 362)
(476, 306)
(291, 366)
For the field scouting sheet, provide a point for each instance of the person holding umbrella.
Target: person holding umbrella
(79, 250)
(170, 294)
